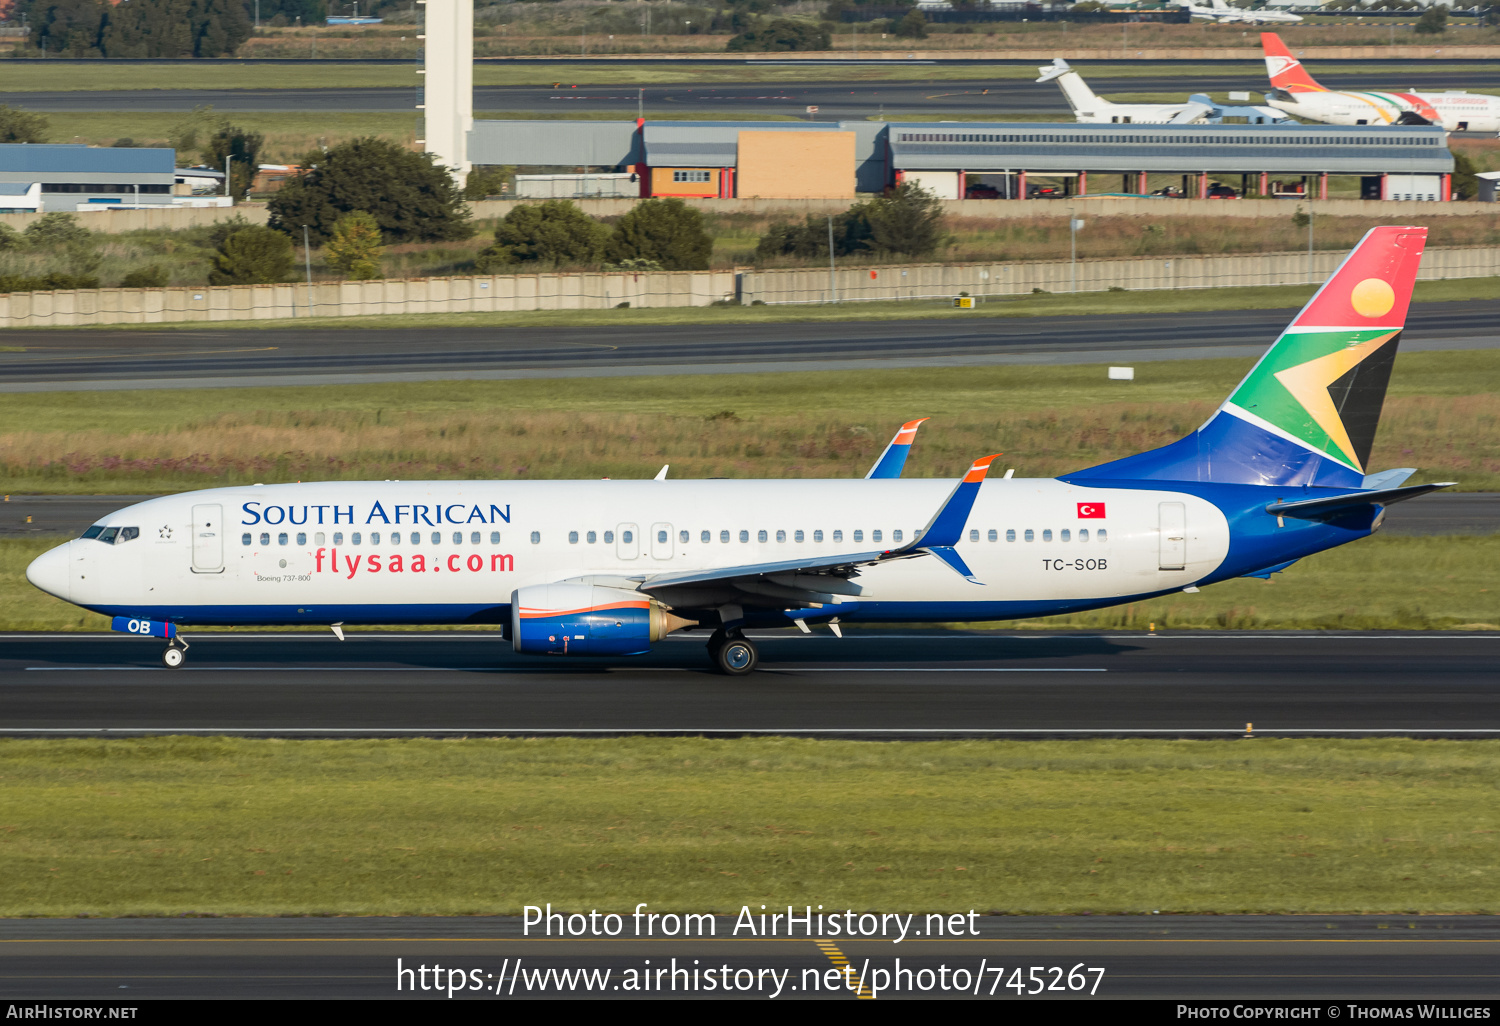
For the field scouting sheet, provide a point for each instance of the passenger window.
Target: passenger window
(458, 537)
(817, 536)
(437, 537)
(974, 535)
(609, 537)
(572, 537)
(128, 534)
(495, 537)
(1102, 535)
(628, 537)
(1065, 535)
(799, 536)
(374, 538)
(661, 537)
(1030, 535)
(302, 538)
(108, 537)
(744, 537)
(876, 536)
(896, 536)
(1010, 534)
(995, 535)
(1083, 535)
(354, 538)
(760, 536)
(1047, 535)
(536, 537)
(781, 536)
(706, 537)
(859, 536)
(723, 537)
(683, 536)
(416, 539)
(338, 537)
(838, 536)
(474, 538)
(244, 539)
(265, 539)
(93, 532)
(591, 538)
(281, 538)
(318, 538)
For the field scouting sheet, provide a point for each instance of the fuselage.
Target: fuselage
(1456, 112)
(454, 552)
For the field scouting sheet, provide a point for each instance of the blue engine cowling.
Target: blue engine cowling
(582, 619)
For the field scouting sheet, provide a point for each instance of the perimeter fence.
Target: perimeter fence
(661, 289)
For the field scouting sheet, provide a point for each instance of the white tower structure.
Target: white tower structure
(448, 96)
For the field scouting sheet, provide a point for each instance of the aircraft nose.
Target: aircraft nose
(49, 571)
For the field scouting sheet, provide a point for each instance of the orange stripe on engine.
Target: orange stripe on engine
(528, 613)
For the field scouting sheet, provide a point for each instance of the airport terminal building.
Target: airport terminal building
(967, 160)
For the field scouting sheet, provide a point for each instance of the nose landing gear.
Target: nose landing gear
(732, 653)
(174, 654)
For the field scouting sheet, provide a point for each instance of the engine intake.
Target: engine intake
(583, 619)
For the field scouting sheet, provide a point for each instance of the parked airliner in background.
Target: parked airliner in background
(1219, 11)
(1294, 91)
(1089, 109)
(608, 567)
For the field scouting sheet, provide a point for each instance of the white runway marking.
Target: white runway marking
(914, 731)
(534, 669)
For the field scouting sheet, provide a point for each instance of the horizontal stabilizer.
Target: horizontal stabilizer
(1265, 572)
(1387, 478)
(1338, 505)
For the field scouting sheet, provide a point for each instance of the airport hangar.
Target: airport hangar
(954, 160)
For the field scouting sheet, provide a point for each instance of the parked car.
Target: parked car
(1218, 190)
(981, 191)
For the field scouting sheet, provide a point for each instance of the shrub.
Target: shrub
(151, 277)
(10, 238)
(908, 221)
(244, 147)
(809, 238)
(21, 126)
(55, 229)
(913, 26)
(1434, 21)
(554, 232)
(411, 197)
(46, 282)
(355, 246)
(781, 34)
(252, 256)
(1465, 182)
(666, 231)
(484, 181)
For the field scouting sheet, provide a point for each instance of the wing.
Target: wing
(815, 581)
(1189, 113)
(894, 458)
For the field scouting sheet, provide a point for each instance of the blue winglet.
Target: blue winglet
(947, 527)
(893, 459)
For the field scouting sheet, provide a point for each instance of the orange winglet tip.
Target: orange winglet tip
(909, 430)
(980, 467)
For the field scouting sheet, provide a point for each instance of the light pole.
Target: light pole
(307, 263)
(228, 168)
(833, 289)
(1309, 234)
(1074, 223)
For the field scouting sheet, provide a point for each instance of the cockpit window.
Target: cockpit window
(93, 532)
(127, 534)
(108, 537)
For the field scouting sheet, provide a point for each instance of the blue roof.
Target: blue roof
(71, 159)
(14, 188)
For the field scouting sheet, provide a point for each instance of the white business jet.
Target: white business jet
(1224, 14)
(607, 568)
(1090, 109)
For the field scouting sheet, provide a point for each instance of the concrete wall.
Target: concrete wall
(111, 221)
(796, 165)
(1092, 205)
(602, 290)
(1248, 54)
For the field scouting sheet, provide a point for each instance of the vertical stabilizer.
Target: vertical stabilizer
(1077, 92)
(1306, 414)
(1286, 71)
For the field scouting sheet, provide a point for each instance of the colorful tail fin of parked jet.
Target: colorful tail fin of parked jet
(1285, 70)
(1306, 413)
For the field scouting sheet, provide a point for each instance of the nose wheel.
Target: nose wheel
(732, 653)
(175, 654)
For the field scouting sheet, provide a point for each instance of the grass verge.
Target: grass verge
(420, 827)
(1381, 583)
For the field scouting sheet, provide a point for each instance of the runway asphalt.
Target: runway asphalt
(101, 359)
(1199, 958)
(42, 516)
(870, 684)
(851, 100)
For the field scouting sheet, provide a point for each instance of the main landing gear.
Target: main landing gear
(732, 652)
(174, 654)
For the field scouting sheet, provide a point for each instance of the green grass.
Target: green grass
(226, 826)
(1257, 297)
(1381, 583)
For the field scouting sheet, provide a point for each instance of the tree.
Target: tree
(1434, 21)
(10, 238)
(57, 229)
(252, 256)
(809, 239)
(21, 126)
(666, 231)
(231, 141)
(411, 197)
(1465, 182)
(141, 28)
(554, 232)
(355, 246)
(913, 26)
(781, 34)
(908, 221)
(487, 180)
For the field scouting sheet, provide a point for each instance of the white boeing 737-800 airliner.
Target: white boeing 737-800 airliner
(608, 567)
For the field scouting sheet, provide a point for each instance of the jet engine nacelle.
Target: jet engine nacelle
(584, 619)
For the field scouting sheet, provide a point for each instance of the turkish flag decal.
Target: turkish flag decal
(1091, 511)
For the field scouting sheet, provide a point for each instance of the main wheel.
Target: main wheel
(172, 657)
(736, 657)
